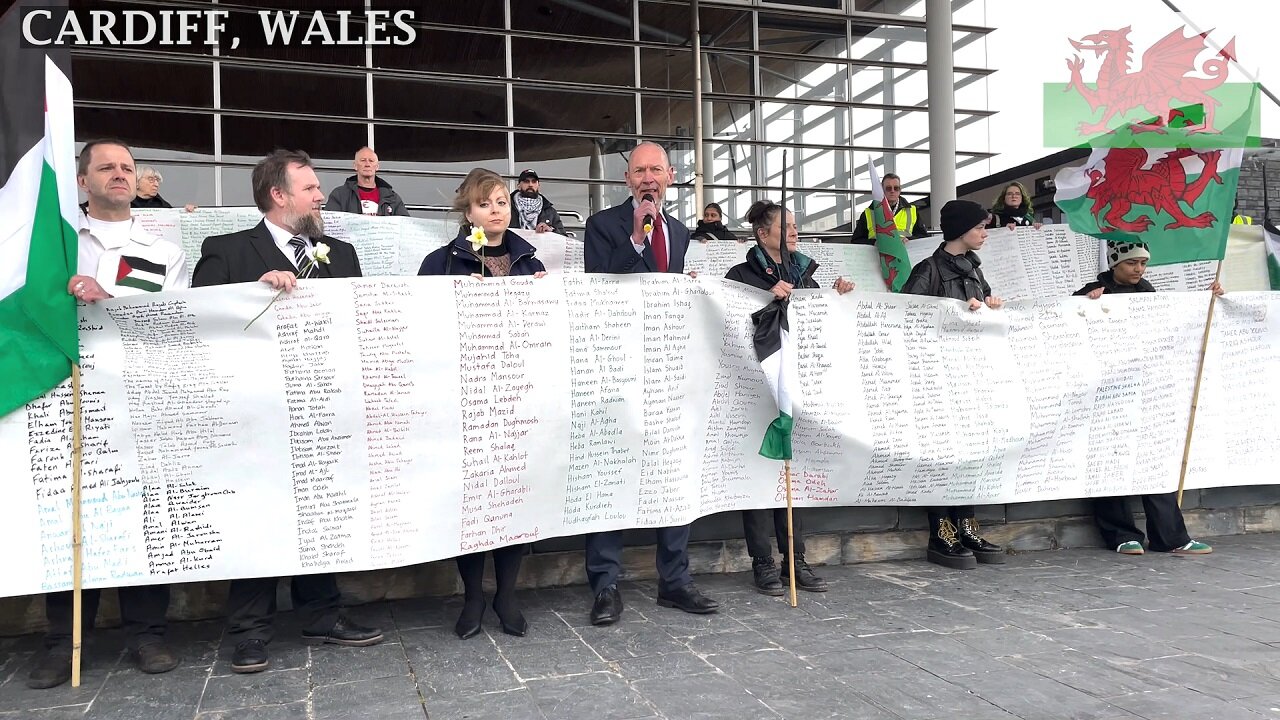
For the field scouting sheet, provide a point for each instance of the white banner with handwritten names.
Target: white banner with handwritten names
(382, 422)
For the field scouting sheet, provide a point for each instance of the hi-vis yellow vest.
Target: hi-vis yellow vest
(905, 220)
(1242, 220)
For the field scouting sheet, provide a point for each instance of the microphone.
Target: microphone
(648, 219)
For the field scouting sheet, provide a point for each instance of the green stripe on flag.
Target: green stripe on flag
(777, 438)
(38, 322)
(134, 281)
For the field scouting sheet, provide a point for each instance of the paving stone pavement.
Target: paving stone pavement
(1084, 634)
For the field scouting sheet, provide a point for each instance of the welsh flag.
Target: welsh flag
(1271, 235)
(777, 355)
(895, 266)
(38, 322)
(1177, 200)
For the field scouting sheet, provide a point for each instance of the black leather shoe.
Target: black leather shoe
(805, 578)
(250, 657)
(347, 633)
(945, 548)
(53, 669)
(765, 576)
(155, 658)
(688, 599)
(510, 617)
(608, 607)
(983, 551)
(468, 625)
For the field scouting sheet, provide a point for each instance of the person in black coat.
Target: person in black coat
(711, 226)
(530, 209)
(770, 266)
(617, 241)
(1013, 209)
(485, 247)
(954, 271)
(1166, 529)
(287, 191)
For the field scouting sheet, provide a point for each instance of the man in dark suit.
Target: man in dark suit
(287, 191)
(616, 242)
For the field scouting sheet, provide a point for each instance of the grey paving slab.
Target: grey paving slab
(1063, 634)
(600, 696)
(386, 698)
(290, 711)
(272, 687)
(507, 705)
(702, 697)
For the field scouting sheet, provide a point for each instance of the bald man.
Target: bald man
(365, 193)
(616, 242)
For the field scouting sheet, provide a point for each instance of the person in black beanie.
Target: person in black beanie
(954, 271)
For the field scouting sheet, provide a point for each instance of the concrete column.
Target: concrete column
(699, 116)
(942, 105)
(595, 170)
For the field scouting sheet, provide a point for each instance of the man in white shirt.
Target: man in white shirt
(116, 257)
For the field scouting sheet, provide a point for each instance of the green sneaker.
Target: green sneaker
(1195, 547)
(1133, 547)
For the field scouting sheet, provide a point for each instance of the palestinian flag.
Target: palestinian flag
(38, 321)
(1271, 235)
(895, 266)
(136, 272)
(777, 355)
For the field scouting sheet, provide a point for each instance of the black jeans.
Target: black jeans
(142, 610)
(755, 526)
(1165, 527)
(251, 605)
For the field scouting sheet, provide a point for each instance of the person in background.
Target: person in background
(485, 206)
(1166, 529)
(905, 215)
(1012, 208)
(148, 196)
(953, 271)
(534, 210)
(779, 269)
(711, 226)
(365, 193)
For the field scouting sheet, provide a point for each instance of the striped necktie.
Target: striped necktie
(300, 255)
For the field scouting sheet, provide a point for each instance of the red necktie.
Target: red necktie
(658, 240)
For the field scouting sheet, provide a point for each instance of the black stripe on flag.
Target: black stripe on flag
(769, 322)
(22, 87)
(138, 263)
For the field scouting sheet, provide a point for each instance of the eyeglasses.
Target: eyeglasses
(892, 188)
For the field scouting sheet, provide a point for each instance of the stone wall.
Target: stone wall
(834, 535)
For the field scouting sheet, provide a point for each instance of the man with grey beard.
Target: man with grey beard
(279, 251)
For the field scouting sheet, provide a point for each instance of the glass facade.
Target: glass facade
(566, 87)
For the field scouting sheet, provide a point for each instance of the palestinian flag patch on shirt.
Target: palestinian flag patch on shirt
(135, 272)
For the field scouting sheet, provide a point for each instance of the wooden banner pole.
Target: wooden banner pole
(77, 630)
(1195, 393)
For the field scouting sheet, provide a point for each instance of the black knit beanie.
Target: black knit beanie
(960, 216)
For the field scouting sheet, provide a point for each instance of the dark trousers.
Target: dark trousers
(506, 569)
(142, 610)
(1165, 527)
(955, 512)
(251, 605)
(755, 526)
(604, 558)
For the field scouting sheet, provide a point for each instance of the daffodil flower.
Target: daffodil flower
(477, 239)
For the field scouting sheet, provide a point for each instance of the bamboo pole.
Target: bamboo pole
(791, 539)
(77, 630)
(1195, 393)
